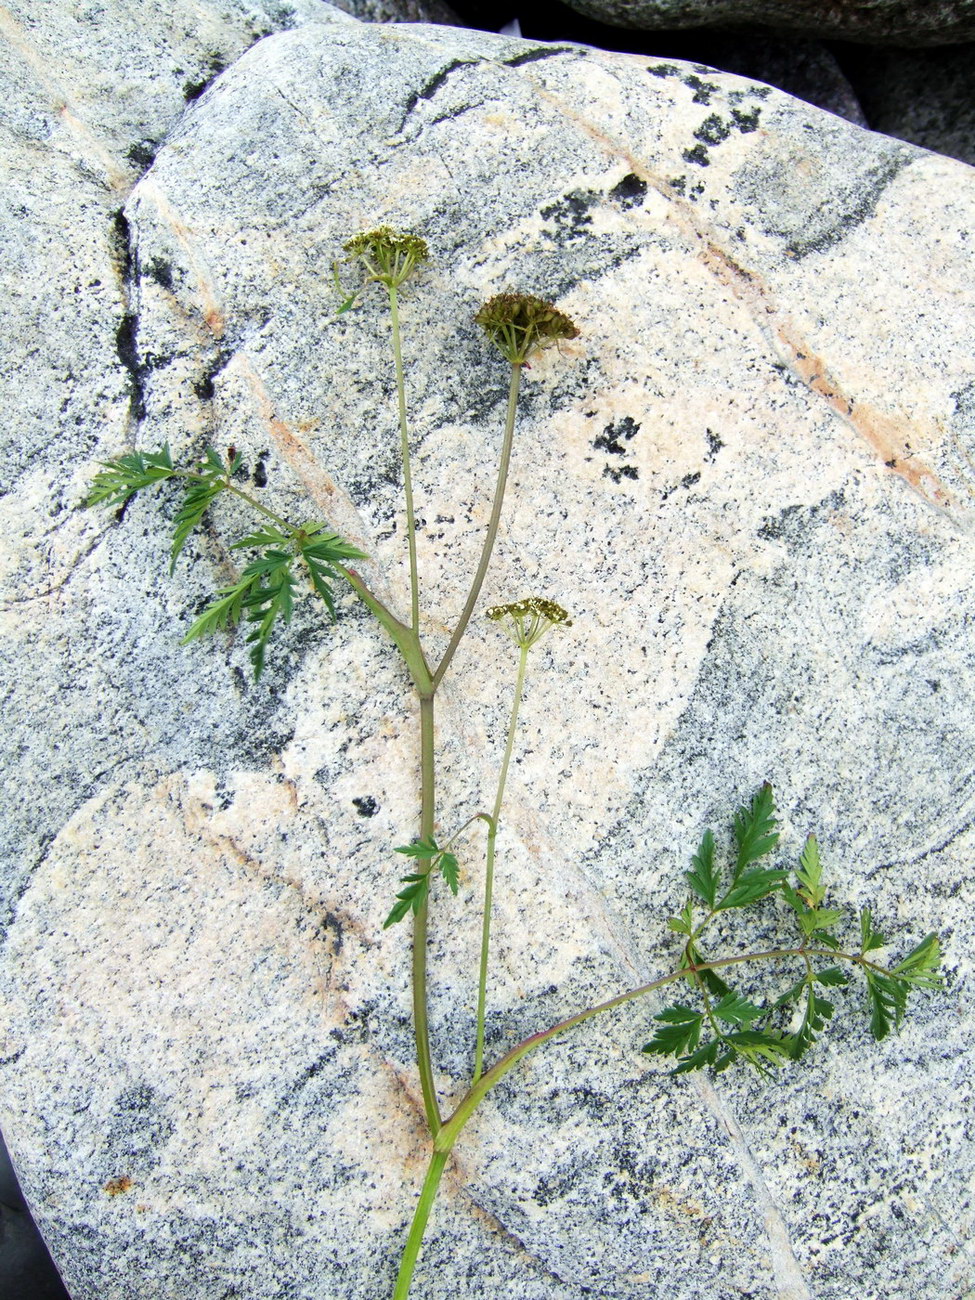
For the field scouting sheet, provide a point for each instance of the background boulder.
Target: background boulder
(750, 481)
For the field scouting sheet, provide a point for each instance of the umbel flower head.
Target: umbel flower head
(526, 621)
(387, 255)
(517, 324)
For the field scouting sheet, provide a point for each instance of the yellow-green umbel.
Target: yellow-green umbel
(526, 621)
(388, 255)
(518, 324)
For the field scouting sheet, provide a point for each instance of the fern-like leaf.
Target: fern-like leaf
(118, 479)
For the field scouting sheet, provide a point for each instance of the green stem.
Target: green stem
(421, 1028)
(492, 531)
(262, 509)
(405, 449)
(405, 637)
(421, 1214)
(450, 1131)
(489, 870)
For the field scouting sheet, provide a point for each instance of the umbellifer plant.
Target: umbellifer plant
(713, 1025)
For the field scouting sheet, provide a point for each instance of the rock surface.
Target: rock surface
(751, 481)
(898, 22)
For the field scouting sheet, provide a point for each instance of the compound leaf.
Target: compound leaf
(118, 479)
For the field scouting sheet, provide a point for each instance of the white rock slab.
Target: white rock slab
(750, 481)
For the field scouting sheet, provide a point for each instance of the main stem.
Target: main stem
(489, 869)
(421, 1214)
(421, 1027)
(492, 532)
(405, 449)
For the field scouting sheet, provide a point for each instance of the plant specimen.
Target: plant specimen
(724, 1024)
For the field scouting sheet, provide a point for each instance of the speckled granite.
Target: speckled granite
(898, 22)
(750, 480)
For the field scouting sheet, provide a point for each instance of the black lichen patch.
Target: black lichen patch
(430, 88)
(610, 438)
(614, 439)
(678, 184)
(624, 471)
(260, 470)
(794, 524)
(629, 192)
(746, 122)
(570, 215)
(203, 386)
(713, 130)
(542, 52)
(161, 271)
(687, 482)
(142, 154)
(714, 444)
(703, 90)
(365, 805)
(698, 155)
(663, 70)
(126, 346)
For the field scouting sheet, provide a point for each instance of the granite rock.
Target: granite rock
(924, 96)
(750, 480)
(897, 22)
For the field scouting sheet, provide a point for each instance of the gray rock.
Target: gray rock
(808, 70)
(897, 22)
(750, 479)
(924, 96)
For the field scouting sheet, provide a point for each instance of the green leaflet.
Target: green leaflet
(410, 899)
(736, 1010)
(755, 833)
(679, 1032)
(887, 1000)
(920, 966)
(704, 880)
(816, 1013)
(750, 887)
(810, 874)
(118, 479)
(198, 499)
(869, 938)
(321, 551)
